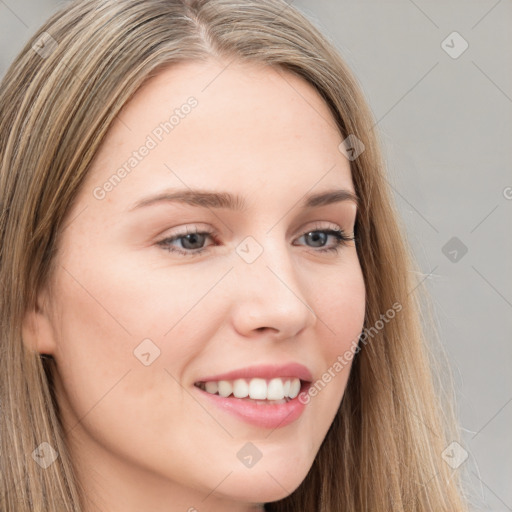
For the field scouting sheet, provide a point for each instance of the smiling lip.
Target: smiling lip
(257, 412)
(290, 370)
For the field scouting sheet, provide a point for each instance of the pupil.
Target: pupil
(193, 240)
(317, 235)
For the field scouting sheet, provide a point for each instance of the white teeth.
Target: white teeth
(294, 388)
(240, 388)
(277, 389)
(258, 389)
(212, 387)
(225, 388)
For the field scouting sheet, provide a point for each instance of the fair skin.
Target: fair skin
(143, 437)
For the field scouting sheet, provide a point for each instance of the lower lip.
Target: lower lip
(262, 415)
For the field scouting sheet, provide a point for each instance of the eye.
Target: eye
(192, 241)
(320, 236)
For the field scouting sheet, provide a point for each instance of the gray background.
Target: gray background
(446, 126)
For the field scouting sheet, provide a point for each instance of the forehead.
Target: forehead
(217, 125)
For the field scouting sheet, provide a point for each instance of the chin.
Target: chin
(264, 485)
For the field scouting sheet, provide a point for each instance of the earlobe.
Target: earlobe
(37, 329)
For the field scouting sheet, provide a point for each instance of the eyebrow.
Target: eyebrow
(211, 199)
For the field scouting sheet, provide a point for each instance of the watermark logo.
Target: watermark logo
(45, 45)
(351, 147)
(45, 455)
(249, 249)
(454, 45)
(454, 455)
(146, 352)
(249, 455)
(454, 249)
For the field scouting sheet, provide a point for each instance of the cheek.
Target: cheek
(125, 401)
(341, 311)
(111, 324)
(127, 332)
(341, 307)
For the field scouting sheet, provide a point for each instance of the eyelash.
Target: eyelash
(339, 234)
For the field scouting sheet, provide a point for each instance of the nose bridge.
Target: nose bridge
(268, 290)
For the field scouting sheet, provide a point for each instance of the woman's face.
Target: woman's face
(144, 321)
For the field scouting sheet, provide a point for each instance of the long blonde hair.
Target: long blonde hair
(57, 101)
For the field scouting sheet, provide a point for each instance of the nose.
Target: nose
(268, 296)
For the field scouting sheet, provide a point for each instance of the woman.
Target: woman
(206, 299)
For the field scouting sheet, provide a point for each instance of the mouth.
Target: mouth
(276, 391)
(263, 396)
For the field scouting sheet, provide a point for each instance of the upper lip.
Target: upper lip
(290, 370)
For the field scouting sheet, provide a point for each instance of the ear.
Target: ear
(37, 329)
